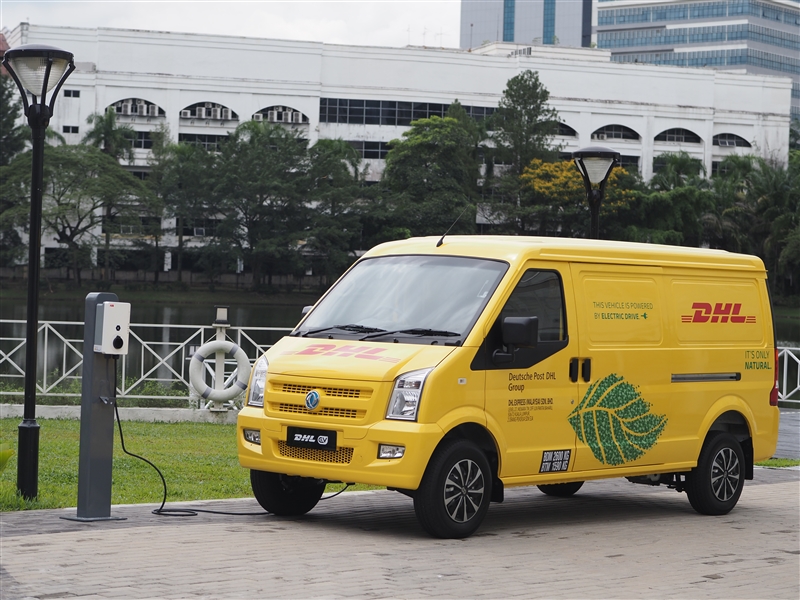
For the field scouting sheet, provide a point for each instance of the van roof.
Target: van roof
(519, 248)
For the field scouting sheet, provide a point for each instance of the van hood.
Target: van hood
(343, 359)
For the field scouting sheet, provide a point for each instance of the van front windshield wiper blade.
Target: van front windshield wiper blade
(351, 327)
(416, 331)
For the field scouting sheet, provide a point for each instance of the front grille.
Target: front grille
(326, 411)
(341, 456)
(292, 388)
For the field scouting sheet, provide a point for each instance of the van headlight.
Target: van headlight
(257, 383)
(406, 392)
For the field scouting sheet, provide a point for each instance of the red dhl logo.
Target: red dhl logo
(359, 352)
(719, 313)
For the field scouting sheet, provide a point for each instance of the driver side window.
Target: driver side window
(539, 294)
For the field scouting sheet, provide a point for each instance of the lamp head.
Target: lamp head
(595, 163)
(38, 69)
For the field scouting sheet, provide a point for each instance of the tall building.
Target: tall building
(753, 36)
(558, 22)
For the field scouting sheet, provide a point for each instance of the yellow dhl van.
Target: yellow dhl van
(450, 370)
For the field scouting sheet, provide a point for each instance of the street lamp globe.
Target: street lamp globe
(38, 70)
(595, 164)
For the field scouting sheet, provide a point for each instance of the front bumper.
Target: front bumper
(354, 461)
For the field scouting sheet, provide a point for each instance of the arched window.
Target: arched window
(137, 107)
(679, 135)
(281, 114)
(209, 111)
(566, 130)
(730, 139)
(615, 132)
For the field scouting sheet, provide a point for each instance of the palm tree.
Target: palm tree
(113, 139)
(116, 141)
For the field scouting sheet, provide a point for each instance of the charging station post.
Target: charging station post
(105, 337)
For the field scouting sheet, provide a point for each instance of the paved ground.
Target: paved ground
(613, 540)
(789, 434)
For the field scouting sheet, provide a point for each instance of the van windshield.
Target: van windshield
(415, 298)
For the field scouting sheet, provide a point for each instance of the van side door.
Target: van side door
(626, 403)
(529, 394)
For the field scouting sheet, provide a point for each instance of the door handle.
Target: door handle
(586, 369)
(573, 370)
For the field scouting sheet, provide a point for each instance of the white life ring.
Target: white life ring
(196, 369)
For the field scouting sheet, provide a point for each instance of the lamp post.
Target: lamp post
(595, 164)
(36, 69)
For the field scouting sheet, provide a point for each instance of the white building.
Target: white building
(203, 86)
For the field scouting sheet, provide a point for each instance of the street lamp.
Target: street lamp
(595, 164)
(36, 69)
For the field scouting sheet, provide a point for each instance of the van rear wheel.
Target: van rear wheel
(715, 484)
(562, 490)
(284, 495)
(455, 492)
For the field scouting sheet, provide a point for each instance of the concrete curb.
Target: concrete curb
(149, 415)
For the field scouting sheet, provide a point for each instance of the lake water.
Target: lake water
(248, 315)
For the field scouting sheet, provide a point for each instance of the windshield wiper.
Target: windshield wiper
(416, 331)
(351, 327)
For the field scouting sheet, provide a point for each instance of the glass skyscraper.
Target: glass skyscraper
(758, 36)
(563, 22)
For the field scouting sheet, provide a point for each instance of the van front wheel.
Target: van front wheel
(562, 490)
(284, 495)
(454, 495)
(715, 484)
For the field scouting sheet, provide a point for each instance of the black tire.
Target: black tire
(284, 495)
(562, 490)
(455, 492)
(715, 484)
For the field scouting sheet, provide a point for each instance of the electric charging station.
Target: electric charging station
(105, 337)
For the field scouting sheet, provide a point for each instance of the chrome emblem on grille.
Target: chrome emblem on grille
(312, 400)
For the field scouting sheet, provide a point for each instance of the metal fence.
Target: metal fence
(156, 366)
(157, 363)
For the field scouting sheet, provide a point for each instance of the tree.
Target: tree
(261, 191)
(431, 176)
(12, 136)
(335, 173)
(117, 142)
(12, 141)
(524, 124)
(79, 181)
(182, 178)
(113, 139)
(553, 201)
(678, 169)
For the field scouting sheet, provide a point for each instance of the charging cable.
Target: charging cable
(185, 512)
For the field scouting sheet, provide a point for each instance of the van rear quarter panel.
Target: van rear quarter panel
(721, 323)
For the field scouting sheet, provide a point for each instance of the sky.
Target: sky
(360, 22)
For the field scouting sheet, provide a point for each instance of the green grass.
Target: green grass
(198, 461)
(779, 462)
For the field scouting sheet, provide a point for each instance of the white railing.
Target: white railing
(157, 363)
(156, 366)
(789, 376)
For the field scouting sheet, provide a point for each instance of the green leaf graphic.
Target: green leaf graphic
(615, 421)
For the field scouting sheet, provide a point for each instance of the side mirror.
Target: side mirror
(306, 310)
(517, 331)
(521, 331)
